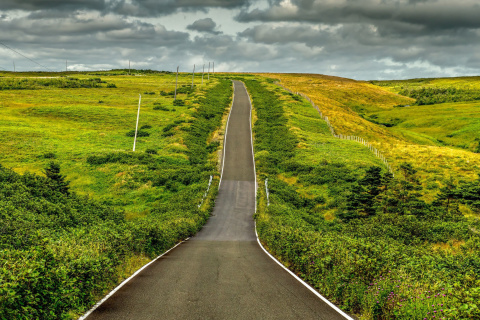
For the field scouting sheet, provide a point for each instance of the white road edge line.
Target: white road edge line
(225, 136)
(125, 281)
(251, 139)
(309, 287)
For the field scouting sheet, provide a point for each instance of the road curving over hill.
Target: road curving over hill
(222, 272)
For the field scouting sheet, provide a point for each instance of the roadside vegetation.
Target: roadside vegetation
(79, 211)
(372, 243)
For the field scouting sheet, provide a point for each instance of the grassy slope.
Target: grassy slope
(340, 99)
(76, 123)
(317, 146)
(454, 124)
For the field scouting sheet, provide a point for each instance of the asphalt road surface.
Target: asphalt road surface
(222, 272)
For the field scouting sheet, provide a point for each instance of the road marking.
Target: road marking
(225, 136)
(98, 304)
(309, 287)
(251, 142)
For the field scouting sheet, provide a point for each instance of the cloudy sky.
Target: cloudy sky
(359, 39)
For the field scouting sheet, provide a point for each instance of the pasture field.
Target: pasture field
(70, 124)
(445, 113)
(102, 211)
(424, 139)
(365, 240)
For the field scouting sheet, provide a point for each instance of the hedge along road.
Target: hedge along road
(222, 272)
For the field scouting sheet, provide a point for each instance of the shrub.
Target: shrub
(151, 151)
(140, 133)
(49, 155)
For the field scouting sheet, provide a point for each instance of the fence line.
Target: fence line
(374, 150)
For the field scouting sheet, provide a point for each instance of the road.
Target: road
(222, 272)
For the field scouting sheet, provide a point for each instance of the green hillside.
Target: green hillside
(94, 211)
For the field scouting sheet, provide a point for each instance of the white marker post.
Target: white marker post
(176, 83)
(138, 117)
(203, 72)
(193, 74)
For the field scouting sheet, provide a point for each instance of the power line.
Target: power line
(3, 44)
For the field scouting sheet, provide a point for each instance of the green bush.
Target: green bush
(178, 102)
(140, 133)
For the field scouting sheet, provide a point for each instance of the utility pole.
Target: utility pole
(138, 117)
(13, 66)
(193, 74)
(208, 74)
(66, 65)
(203, 72)
(176, 83)
(128, 67)
(213, 67)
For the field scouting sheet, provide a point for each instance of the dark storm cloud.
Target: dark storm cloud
(148, 8)
(93, 30)
(362, 39)
(139, 8)
(204, 25)
(32, 5)
(431, 14)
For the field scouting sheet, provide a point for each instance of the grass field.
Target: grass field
(69, 124)
(419, 137)
(454, 124)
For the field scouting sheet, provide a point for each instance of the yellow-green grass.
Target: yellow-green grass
(76, 123)
(340, 98)
(455, 124)
(317, 146)
(457, 82)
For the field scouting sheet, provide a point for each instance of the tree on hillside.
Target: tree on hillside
(448, 195)
(362, 199)
(404, 197)
(58, 182)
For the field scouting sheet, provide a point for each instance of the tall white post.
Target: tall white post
(193, 74)
(128, 67)
(203, 72)
(66, 65)
(176, 83)
(138, 117)
(208, 74)
(213, 71)
(13, 66)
